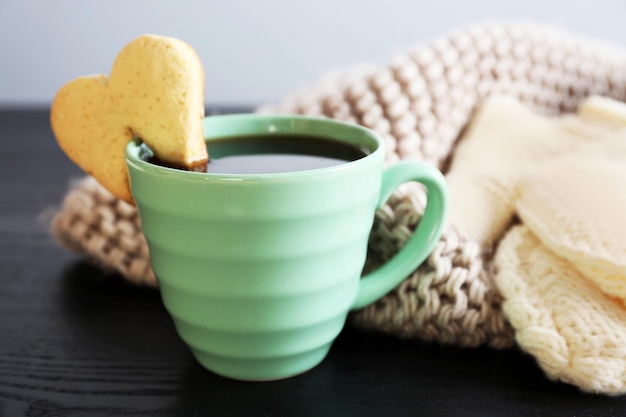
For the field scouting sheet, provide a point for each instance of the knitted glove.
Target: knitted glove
(576, 333)
(562, 273)
(504, 140)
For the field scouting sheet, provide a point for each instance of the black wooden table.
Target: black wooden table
(76, 341)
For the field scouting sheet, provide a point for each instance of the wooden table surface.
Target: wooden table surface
(77, 341)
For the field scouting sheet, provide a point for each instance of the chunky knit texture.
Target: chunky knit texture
(420, 103)
(106, 229)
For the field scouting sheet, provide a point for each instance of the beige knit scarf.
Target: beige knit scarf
(420, 103)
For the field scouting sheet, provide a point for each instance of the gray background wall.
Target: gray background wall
(253, 51)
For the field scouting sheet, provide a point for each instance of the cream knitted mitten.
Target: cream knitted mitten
(576, 207)
(576, 333)
(503, 141)
(563, 272)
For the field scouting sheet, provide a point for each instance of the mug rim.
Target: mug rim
(136, 150)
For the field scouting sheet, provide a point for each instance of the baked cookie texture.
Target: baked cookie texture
(155, 92)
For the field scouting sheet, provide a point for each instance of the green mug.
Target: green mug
(259, 271)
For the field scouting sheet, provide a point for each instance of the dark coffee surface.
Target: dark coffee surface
(276, 153)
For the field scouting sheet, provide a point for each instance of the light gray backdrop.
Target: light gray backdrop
(253, 51)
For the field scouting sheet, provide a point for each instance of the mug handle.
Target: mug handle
(378, 283)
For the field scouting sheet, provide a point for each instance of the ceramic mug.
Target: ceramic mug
(259, 271)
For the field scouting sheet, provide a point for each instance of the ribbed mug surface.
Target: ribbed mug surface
(259, 271)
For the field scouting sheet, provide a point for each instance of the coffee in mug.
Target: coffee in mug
(260, 269)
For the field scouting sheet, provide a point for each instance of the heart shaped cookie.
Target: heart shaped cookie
(155, 91)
